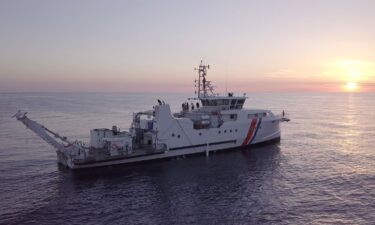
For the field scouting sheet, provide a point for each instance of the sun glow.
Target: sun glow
(351, 86)
(353, 75)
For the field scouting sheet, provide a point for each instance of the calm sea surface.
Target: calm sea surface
(322, 171)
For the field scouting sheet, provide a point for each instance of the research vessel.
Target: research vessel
(206, 123)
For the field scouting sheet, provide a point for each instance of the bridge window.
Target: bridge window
(240, 101)
(233, 103)
(233, 116)
(214, 103)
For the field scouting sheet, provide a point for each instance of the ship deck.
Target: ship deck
(99, 155)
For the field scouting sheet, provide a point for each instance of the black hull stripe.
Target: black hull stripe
(201, 145)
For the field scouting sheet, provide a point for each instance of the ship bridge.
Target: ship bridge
(209, 99)
(223, 102)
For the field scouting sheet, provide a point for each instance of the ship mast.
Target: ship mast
(203, 85)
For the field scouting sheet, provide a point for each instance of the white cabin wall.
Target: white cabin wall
(163, 118)
(185, 135)
(179, 133)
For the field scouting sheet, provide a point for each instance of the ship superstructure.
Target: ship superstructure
(207, 122)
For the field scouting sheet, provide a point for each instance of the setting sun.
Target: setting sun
(351, 86)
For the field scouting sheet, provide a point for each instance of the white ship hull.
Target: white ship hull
(188, 141)
(161, 155)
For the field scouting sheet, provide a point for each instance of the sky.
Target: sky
(153, 46)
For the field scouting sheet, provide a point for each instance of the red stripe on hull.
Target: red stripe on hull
(250, 132)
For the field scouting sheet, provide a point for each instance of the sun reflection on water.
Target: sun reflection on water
(351, 136)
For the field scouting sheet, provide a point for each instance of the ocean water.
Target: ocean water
(322, 171)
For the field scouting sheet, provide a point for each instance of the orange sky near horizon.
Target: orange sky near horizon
(339, 76)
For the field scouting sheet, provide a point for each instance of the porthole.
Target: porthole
(178, 136)
(172, 134)
(235, 130)
(230, 131)
(225, 131)
(219, 131)
(200, 134)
